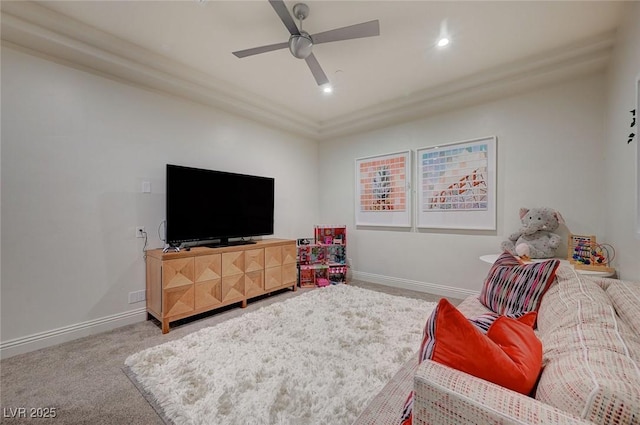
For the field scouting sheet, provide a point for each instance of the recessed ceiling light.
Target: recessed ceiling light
(327, 89)
(443, 42)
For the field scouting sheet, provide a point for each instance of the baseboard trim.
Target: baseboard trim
(414, 285)
(67, 333)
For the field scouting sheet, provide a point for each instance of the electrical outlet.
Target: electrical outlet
(137, 296)
(140, 232)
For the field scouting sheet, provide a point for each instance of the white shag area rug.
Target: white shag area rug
(316, 358)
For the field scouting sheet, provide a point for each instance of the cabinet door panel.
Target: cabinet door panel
(272, 256)
(272, 278)
(289, 254)
(208, 267)
(178, 272)
(232, 263)
(254, 283)
(289, 274)
(208, 293)
(233, 287)
(253, 260)
(177, 301)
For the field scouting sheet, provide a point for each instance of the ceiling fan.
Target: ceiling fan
(301, 42)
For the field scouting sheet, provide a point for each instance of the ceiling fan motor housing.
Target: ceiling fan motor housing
(300, 42)
(300, 45)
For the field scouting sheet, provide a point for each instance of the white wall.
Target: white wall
(621, 175)
(76, 148)
(549, 154)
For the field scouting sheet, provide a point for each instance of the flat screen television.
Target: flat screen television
(208, 205)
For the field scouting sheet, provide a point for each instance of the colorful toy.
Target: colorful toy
(337, 274)
(322, 261)
(586, 254)
(580, 248)
(307, 277)
(535, 239)
(321, 282)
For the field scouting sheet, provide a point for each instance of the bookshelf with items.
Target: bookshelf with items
(322, 260)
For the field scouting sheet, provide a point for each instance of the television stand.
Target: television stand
(187, 283)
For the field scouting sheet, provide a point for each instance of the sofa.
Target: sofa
(590, 333)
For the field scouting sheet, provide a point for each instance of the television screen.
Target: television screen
(207, 205)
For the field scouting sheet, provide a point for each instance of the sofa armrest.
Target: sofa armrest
(446, 396)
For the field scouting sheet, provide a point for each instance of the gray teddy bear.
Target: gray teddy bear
(535, 239)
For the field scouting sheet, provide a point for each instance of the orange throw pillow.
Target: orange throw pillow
(510, 354)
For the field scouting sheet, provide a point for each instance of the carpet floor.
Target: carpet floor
(314, 359)
(84, 381)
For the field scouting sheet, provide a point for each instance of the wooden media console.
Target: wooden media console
(183, 284)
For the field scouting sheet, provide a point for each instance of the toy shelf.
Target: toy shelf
(322, 260)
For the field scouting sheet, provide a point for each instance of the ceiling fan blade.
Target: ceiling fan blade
(261, 49)
(285, 16)
(365, 29)
(316, 70)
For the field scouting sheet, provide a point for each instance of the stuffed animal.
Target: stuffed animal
(535, 239)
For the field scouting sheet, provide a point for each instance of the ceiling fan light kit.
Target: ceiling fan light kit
(443, 42)
(301, 43)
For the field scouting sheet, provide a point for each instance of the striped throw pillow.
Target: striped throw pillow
(513, 287)
(484, 321)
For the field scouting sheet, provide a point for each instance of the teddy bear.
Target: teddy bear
(535, 239)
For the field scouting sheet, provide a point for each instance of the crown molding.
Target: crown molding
(43, 32)
(572, 61)
(56, 37)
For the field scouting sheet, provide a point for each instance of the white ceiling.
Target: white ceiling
(184, 47)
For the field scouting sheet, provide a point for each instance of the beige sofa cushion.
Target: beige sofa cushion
(592, 385)
(626, 300)
(591, 356)
(472, 307)
(568, 289)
